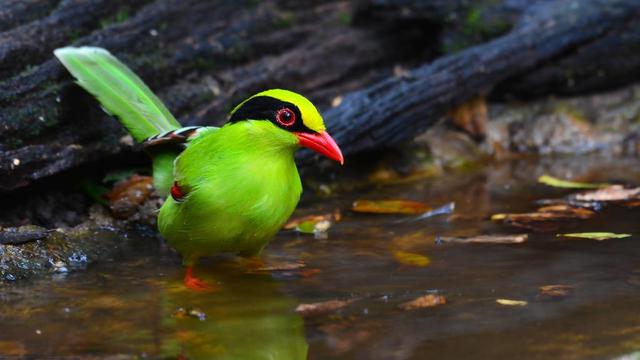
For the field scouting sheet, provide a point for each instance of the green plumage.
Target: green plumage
(123, 94)
(239, 198)
(240, 181)
(119, 90)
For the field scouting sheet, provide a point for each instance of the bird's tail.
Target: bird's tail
(123, 94)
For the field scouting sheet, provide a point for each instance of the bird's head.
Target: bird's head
(291, 112)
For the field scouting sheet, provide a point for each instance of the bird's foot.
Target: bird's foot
(195, 284)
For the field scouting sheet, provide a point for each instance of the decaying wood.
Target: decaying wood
(203, 56)
(397, 108)
(200, 56)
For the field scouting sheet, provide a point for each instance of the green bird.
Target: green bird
(230, 188)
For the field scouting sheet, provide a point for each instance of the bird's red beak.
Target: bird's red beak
(322, 143)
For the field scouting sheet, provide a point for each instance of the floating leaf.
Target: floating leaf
(555, 291)
(595, 235)
(611, 193)
(423, 302)
(509, 302)
(487, 239)
(314, 219)
(390, 207)
(559, 183)
(547, 217)
(411, 259)
(314, 224)
(324, 307)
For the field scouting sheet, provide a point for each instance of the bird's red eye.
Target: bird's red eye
(285, 117)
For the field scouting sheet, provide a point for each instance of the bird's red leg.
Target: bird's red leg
(194, 283)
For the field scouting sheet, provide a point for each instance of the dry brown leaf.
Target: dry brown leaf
(555, 291)
(320, 308)
(609, 194)
(390, 207)
(10, 348)
(487, 239)
(471, 117)
(545, 218)
(423, 302)
(335, 216)
(128, 194)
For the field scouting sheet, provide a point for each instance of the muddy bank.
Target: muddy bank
(28, 251)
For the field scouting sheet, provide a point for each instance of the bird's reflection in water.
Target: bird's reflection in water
(247, 317)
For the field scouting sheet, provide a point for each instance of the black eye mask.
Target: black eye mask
(268, 108)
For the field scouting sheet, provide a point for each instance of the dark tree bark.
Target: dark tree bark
(200, 56)
(204, 56)
(548, 37)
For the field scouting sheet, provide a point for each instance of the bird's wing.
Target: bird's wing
(165, 147)
(181, 136)
(120, 92)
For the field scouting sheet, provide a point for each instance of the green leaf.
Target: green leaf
(389, 207)
(94, 191)
(307, 227)
(596, 235)
(411, 259)
(566, 184)
(509, 302)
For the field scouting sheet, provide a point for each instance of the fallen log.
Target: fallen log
(609, 61)
(202, 57)
(400, 107)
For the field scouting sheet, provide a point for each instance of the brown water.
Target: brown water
(127, 309)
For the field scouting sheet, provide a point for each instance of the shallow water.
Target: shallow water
(131, 307)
